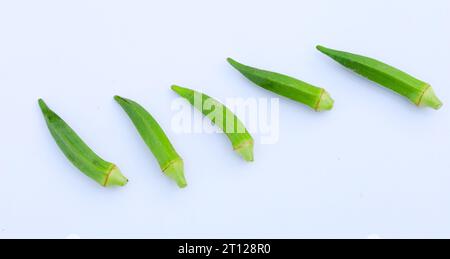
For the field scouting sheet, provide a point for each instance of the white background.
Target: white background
(376, 165)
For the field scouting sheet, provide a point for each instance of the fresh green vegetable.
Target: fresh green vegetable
(316, 98)
(418, 92)
(153, 135)
(104, 173)
(220, 115)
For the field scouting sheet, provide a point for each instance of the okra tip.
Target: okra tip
(323, 49)
(325, 102)
(119, 99)
(240, 67)
(40, 101)
(42, 104)
(320, 48)
(46, 111)
(175, 171)
(180, 90)
(246, 151)
(115, 178)
(429, 99)
(234, 63)
(329, 52)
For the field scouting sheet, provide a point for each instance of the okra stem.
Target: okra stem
(316, 98)
(153, 135)
(81, 156)
(417, 91)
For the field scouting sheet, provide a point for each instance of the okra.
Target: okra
(153, 135)
(81, 156)
(221, 116)
(316, 98)
(417, 91)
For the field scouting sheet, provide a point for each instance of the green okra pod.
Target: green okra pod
(417, 91)
(153, 135)
(73, 147)
(312, 96)
(221, 116)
